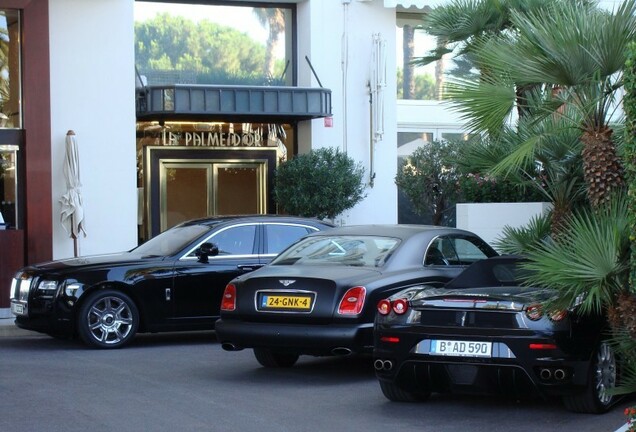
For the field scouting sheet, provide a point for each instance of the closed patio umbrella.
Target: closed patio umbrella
(72, 212)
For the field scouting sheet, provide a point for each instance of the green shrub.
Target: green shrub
(322, 183)
(475, 188)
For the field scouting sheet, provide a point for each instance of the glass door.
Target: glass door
(181, 184)
(238, 188)
(185, 193)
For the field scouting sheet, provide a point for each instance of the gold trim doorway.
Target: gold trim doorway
(184, 184)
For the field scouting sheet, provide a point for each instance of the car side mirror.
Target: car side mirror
(207, 250)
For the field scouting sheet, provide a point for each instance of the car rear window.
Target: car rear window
(367, 251)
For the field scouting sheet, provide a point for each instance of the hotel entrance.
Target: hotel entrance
(195, 170)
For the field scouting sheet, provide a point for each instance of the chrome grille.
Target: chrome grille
(20, 287)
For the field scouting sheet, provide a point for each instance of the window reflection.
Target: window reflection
(8, 186)
(177, 43)
(424, 82)
(10, 110)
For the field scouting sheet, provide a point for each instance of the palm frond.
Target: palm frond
(521, 240)
(484, 105)
(589, 261)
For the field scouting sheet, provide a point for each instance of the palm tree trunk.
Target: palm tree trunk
(602, 169)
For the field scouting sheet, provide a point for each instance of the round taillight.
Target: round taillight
(400, 306)
(384, 307)
(534, 312)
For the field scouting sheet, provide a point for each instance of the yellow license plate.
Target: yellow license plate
(286, 302)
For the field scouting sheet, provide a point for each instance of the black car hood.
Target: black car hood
(91, 262)
(510, 294)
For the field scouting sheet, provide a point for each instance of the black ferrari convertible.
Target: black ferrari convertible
(486, 333)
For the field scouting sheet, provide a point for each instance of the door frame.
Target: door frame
(155, 156)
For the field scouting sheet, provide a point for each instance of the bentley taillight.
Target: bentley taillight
(228, 303)
(353, 301)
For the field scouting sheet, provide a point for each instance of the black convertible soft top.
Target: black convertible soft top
(504, 270)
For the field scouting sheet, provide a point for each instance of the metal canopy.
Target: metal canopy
(223, 102)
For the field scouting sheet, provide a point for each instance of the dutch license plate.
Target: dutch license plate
(286, 302)
(17, 309)
(461, 348)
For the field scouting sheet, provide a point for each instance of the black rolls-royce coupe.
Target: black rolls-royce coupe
(318, 297)
(172, 282)
(486, 333)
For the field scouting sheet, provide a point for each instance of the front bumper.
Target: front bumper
(320, 339)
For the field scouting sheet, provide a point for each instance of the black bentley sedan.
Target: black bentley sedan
(172, 282)
(486, 333)
(318, 297)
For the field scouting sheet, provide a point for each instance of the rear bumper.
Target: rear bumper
(297, 338)
(553, 372)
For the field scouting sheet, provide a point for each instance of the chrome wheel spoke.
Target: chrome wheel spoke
(605, 373)
(110, 320)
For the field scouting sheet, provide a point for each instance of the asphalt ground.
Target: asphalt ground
(8, 329)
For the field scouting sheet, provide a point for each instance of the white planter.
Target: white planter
(488, 219)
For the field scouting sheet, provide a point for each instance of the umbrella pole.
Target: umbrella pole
(74, 239)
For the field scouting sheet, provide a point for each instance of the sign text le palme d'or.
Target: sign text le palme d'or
(213, 139)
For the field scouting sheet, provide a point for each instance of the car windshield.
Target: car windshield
(367, 251)
(171, 241)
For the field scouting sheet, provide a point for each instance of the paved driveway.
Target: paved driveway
(186, 382)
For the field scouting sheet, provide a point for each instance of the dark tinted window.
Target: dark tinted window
(278, 236)
(238, 240)
(456, 251)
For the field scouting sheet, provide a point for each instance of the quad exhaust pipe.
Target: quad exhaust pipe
(385, 365)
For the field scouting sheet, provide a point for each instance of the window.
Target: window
(423, 82)
(238, 240)
(278, 237)
(11, 136)
(8, 186)
(456, 251)
(181, 43)
(10, 74)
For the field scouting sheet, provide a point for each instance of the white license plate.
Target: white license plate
(17, 309)
(461, 348)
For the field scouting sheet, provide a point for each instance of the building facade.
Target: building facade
(149, 160)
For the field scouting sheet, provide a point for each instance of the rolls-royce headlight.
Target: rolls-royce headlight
(48, 287)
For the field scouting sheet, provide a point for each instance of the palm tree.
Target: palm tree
(272, 19)
(572, 54)
(461, 23)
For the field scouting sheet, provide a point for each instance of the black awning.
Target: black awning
(223, 102)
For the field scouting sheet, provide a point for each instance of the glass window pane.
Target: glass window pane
(280, 236)
(180, 43)
(236, 240)
(424, 82)
(10, 84)
(8, 186)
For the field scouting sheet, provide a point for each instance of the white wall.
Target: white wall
(92, 93)
(334, 34)
(487, 220)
